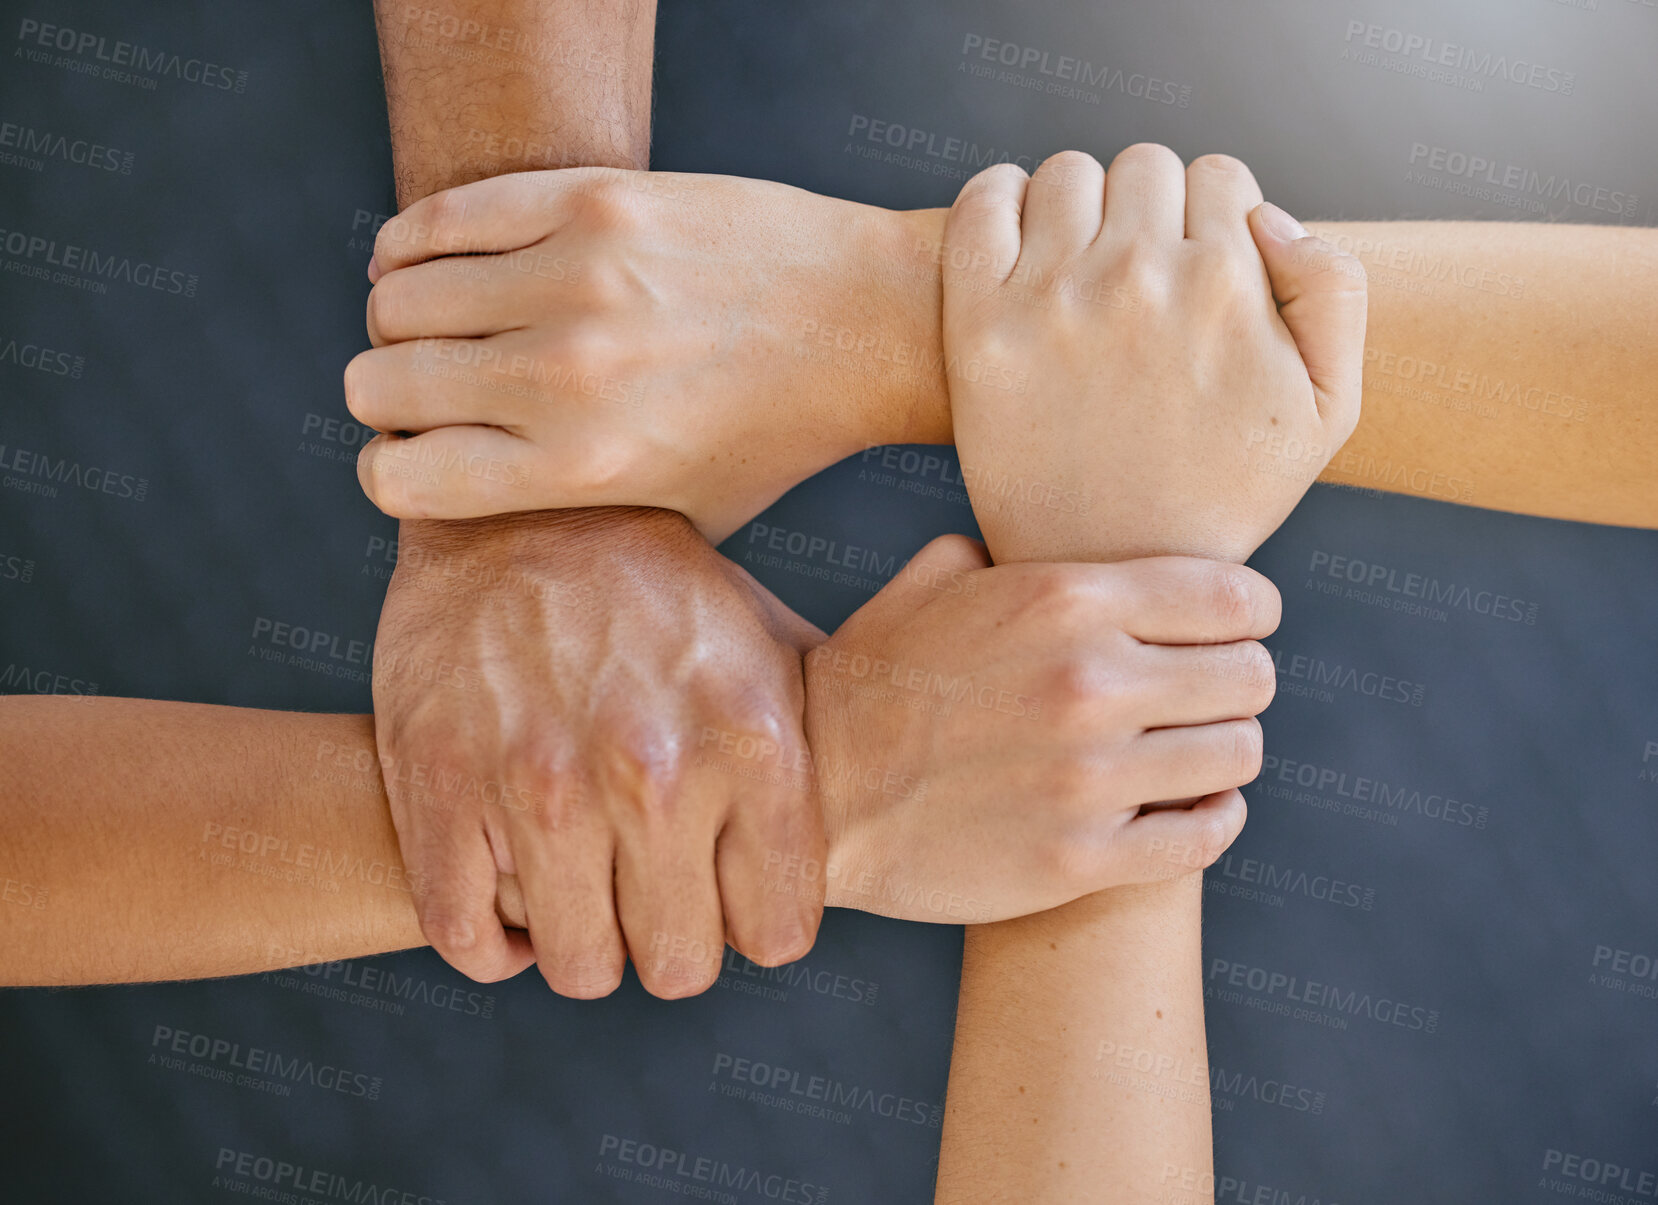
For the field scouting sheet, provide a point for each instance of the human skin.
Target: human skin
(1231, 332)
(1505, 364)
(635, 842)
(152, 840)
(1080, 1071)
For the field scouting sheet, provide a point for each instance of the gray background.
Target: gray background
(265, 193)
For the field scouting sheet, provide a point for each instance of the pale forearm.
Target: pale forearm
(1507, 365)
(149, 840)
(1080, 1071)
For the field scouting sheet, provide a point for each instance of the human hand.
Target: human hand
(984, 738)
(1194, 358)
(699, 343)
(543, 690)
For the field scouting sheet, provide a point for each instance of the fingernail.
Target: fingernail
(373, 271)
(1279, 224)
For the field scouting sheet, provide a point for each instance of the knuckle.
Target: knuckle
(389, 492)
(388, 304)
(1142, 269)
(1243, 751)
(452, 934)
(358, 382)
(769, 950)
(1229, 597)
(1259, 673)
(587, 344)
(1076, 683)
(1070, 856)
(1210, 838)
(586, 975)
(1147, 154)
(677, 978)
(641, 768)
(444, 217)
(1070, 168)
(1225, 165)
(1230, 276)
(1059, 597)
(607, 204)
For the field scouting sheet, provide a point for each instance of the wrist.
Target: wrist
(898, 280)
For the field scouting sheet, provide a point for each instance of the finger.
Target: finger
(981, 233)
(1178, 763)
(944, 566)
(503, 213)
(668, 901)
(449, 473)
(1220, 192)
(1064, 203)
(455, 878)
(1189, 600)
(433, 383)
(1177, 841)
(1321, 295)
(567, 877)
(463, 297)
(1145, 199)
(1204, 683)
(770, 859)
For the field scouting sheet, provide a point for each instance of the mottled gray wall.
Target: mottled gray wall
(1412, 954)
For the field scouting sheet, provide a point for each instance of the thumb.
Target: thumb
(943, 567)
(1322, 298)
(981, 234)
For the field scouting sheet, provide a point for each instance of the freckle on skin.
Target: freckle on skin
(1159, 1014)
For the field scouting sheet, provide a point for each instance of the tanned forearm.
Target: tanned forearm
(480, 88)
(1507, 365)
(477, 88)
(149, 840)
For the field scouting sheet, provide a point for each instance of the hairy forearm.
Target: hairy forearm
(477, 88)
(480, 88)
(149, 840)
(1507, 365)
